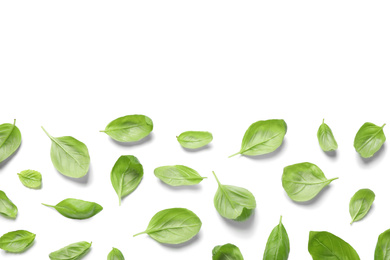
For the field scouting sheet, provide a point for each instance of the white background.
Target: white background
(218, 66)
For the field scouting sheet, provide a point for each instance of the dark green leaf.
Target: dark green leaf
(74, 251)
(360, 204)
(129, 128)
(69, 156)
(263, 137)
(30, 178)
(326, 138)
(227, 252)
(324, 245)
(126, 175)
(16, 241)
(115, 254)
(178, 175)
(10, 139)
(233, 202)
(173, 226)
(382, 250)
(7, 208)
(369, 139)
(278, 244)
(194, 139)
(77, 209)
(303, 181)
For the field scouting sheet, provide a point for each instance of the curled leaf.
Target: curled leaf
(10, 140)
(17, 241)
(77, 209)
(278, 244)
(369, 139)
(227, 252)
(326, 138)
(178, 175)
(31, 179)
(7, 208)
(74, 251)
(194, 139)
(360, 204)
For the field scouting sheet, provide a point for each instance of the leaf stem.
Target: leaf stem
(219, 184)
(48, 205)
(14, 121)
(323, 120)
(46, 132)
(280, 220)
(144, 232)
(234, 154)
(383, 125)
(103, 131)
(333, 179)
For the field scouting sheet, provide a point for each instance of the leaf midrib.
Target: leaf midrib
(13, 128)
(54, 140)
(369, 139)
(326, 248)
(175, 227)
(260, 143)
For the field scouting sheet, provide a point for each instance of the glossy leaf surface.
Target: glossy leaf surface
(360, 204)
(178, 175)
(74, 251)
(115, 254)
(7, 208)
(227, 252)
(69, 156)
(126, 175)
(129, 128)
(194, 139)
(77, 209)
(369, 139)
(173, 226)
(31, 179)
(303, 181)
(382, 249)
(16, 241)
(326, 138)
(10, 140)
(278, 244)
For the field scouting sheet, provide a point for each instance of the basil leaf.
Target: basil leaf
(16, 241)
(194, 139)
(74, 251)
(360, 204)
(233, 202)
(7, 208)
(227, 252)
(126, 175)
(10, 139)
(31, 179)
(278, 244)
(303, 181)
(77, 209)
(129, 128)
(115, 254)
(173, 226)
(69, 156)
(326, 138)
(263, 137)
(382, 249)
(325, 245)
(369, 139)
(178, 175)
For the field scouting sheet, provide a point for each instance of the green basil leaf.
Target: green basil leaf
(263, 137)
(227, 252)
(173, 226)
(10, 139)
(382, 249)
(369, 139)
(178, 175)
(129, 128)
(278, 244)
(74, 251)
(325, 245)
(326, 138)
(233, 202)
(194, 139)
(69, 156)
(303, 181)
(16, 241)
(77, 209)
(31, 179)
(360, 204)
(7, 208)
(126, 175)
(115, 254)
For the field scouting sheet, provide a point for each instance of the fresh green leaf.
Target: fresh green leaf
(360, 204)
(126, 175)
(16, 241)
(382, 250)
(194, 139)
(227, 252)
(303, 181)
(74, 251)
(324, 245)
(7, 208)
(115, 254)
(278, 244)
(233, 202)
(263, 137)
(31, 179)
(369, 139)
(173, 226)
(326, 138)
(69, 156)
(77, 209)
(10, 139)
(129, 128)
(178, 175)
